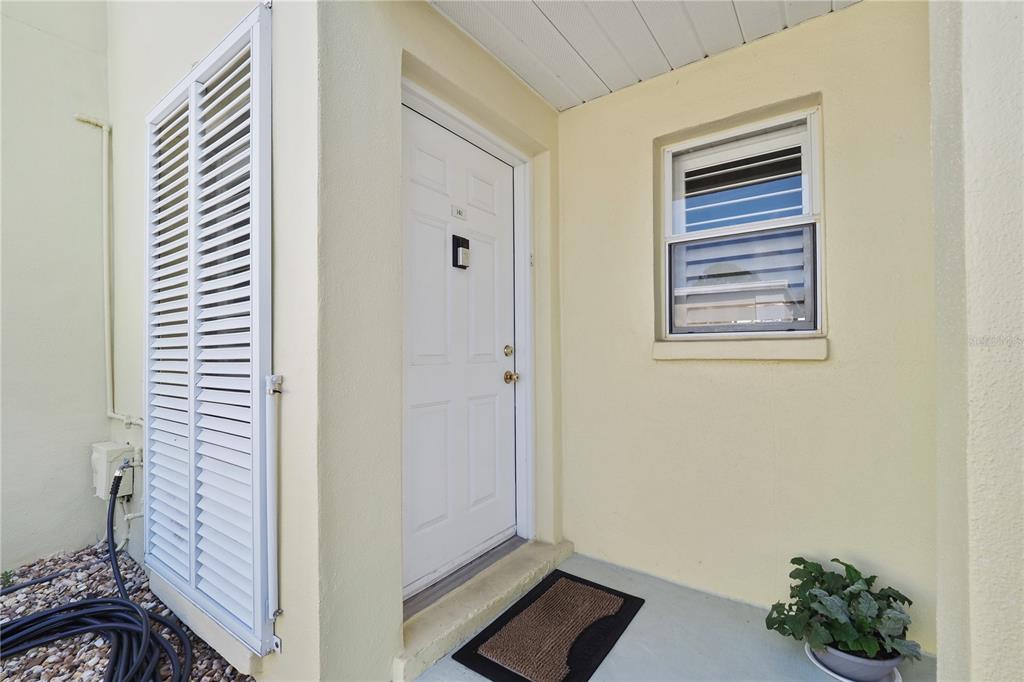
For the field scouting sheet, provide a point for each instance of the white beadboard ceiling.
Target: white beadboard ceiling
(573, 51)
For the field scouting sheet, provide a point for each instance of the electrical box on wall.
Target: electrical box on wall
(106, 458)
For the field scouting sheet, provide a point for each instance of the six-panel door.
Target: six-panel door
(459, 413)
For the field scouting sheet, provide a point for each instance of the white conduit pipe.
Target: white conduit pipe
(108, 334)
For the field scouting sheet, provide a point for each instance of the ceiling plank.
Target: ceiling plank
(798, 11)
(499, 41)
(572, 51)
(541, 38)
(716, 24)
(759, 18)
(673, 31)
(574, 21)
(622, 23)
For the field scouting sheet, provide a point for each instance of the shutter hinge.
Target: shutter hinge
(274, 382)
(275, 643)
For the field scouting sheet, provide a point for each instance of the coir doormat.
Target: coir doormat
(559, 632)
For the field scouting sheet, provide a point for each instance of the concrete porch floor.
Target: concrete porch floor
(683, 634)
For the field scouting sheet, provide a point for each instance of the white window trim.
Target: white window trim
(720, 146)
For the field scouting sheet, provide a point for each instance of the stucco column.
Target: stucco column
(978, 164)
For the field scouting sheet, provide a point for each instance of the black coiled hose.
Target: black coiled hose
(137, 650)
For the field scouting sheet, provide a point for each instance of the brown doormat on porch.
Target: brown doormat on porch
(559, 632)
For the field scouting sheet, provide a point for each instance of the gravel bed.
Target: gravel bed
(85, 657)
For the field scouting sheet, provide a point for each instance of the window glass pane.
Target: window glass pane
(753, 188)
(758, 281)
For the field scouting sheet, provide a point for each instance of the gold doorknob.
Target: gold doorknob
(511, 377)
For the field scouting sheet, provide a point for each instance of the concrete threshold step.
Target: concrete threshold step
(452, 619)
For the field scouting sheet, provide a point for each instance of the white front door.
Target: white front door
(458, 467)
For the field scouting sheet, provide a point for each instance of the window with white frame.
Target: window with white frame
(741, 234)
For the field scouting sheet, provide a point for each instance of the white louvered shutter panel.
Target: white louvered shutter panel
(209, 502)
(168, 423)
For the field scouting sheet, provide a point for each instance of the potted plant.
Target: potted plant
(854, 631)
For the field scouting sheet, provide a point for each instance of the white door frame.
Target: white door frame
(433, 108)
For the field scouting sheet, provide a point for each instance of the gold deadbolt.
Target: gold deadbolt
(509, 350)
(511, 377)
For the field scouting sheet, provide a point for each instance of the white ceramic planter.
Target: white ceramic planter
(855, 668)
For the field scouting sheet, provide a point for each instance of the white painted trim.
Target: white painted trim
(748, 130)
(265, 544)
(447, 116)
(774, 138)
(429, 105)
(522, 180)
(745, 228)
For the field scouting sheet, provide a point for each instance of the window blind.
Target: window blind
(759, 187)
(208, 529)
(750, 279)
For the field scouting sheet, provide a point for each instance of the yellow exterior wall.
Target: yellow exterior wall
(152, 46)
(364, 49)
(714, 473)
(54, 66)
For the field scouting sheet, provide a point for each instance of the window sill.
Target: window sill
(742, 349)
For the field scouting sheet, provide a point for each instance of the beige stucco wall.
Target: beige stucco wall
(993, 167)
(978, 162)
(363, 49)
(714, 473)
(152, 46)
(53, 404)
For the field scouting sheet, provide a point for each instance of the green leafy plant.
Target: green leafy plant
(843, 611)
(7, 578)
